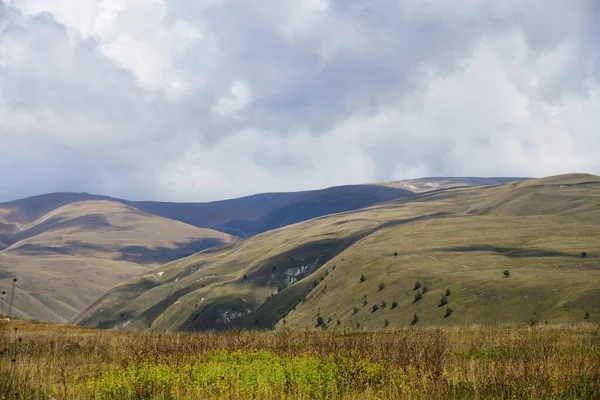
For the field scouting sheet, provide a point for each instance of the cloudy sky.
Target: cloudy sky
(193, 100)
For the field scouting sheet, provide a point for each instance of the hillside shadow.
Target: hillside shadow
(136, 254)
(163, 255)
(70, 248)
(85, 222)
(511, 252)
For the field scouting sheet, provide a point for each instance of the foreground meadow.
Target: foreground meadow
(52, 361)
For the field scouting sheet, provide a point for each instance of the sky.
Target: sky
(199, 100)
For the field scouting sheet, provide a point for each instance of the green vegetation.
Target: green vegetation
(415, 319)
(418, 297)
(52, 361)
(587, 315)
(448, 292)
(449, 312)
(386, 323)
(417, 285)
(355, 310)
(443, 301)
(383, 304)
(506, 273)
(362, 278)
(375, 307)
(395, 254)
(394, 304)
(425, 289)
(381, 286)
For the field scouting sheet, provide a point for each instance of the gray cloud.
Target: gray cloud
(199, 100)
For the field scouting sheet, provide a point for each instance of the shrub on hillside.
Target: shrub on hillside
(418, 297)
(386, 323)
(394, 304)
(381, 286)
(448, 292)
(448, 312)
(362, 278)
(443, 301)
(383, 304)
(506, 273)
(587, 315)
(320, 321)
(417, 285)
(355, 310)
(425, 289)
(396, 254)
(415, 319)
(375, 307)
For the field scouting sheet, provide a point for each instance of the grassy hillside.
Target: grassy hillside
(66, 258)
(263, 212)
(459, 239)
(318, 203)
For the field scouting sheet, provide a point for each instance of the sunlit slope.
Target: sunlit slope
(72, 255)
(461, 239)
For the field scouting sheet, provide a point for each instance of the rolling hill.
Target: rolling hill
(243, 216)
(461, 239)
(66, 251)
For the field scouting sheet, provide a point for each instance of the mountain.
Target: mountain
(263, 212)
(544, 232)
(67, 250)
(246, 215)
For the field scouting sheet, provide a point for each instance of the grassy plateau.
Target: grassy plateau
(47, 361)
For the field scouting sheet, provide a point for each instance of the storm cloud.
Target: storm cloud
(199, 100)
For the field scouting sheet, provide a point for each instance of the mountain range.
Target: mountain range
(524, 252)
(68, 249)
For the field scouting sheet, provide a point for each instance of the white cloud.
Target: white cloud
(231, 104)
(182, 100)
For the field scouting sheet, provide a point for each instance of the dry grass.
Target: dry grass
(72, 255)
(548, 361)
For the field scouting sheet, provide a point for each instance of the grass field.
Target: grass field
(47, 361)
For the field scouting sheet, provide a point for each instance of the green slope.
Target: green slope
(462, 239)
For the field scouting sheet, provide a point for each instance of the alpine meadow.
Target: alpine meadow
(300, 199)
